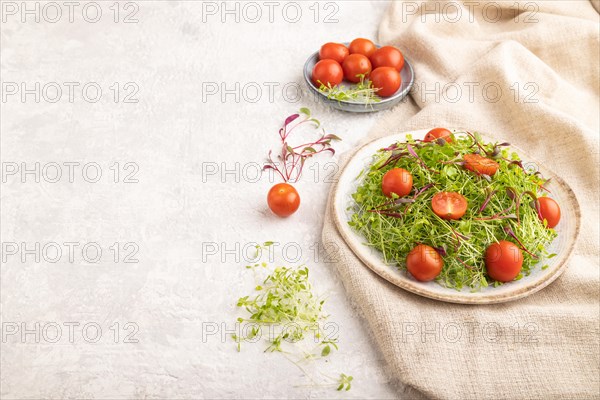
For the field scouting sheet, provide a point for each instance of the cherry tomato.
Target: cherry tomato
(480, 165)
(362, 46)
(333, 51)
(327, 72)
(354, 65)
(438, 133)
(386, 79)
(449, 205)
(283, 199)
(424, 263)
(387, 56)
(397, 180)
(503, 261)
(550, 211)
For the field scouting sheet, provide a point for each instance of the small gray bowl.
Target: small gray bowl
(406, 74)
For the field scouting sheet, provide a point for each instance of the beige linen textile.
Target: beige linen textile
(546, 65)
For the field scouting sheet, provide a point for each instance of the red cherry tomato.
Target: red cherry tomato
(550, 211)
(333, 51)
(449, 205)
(503, 261)
(480, 165)
(387, 56)
(397, 180)
(355, 65)
(438, 133)
(424, 263)
(283, 199)
(386, 79)
(328, 73)
(362, 46)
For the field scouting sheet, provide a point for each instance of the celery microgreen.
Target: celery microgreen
(345, 382)
(285, 312)
(362, 92)
(497, 210)
(284, 302)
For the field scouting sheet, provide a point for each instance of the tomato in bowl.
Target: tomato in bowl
(392, 97)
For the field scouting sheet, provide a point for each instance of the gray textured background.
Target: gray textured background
(173, 212)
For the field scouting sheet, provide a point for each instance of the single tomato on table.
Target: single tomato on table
(549, 210)
(387, 56)
(424, 263)
(283, 199)
(386, 79)
(327, 72)
(438, 133)
(397, 180)
(480, 165)
(355, 65)
(333, 51)
(362, 46)
(503, 261)
(449, 205)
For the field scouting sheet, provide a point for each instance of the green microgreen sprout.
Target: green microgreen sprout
(497, 210)
(345, 382)
(361, 92)
(284, 311)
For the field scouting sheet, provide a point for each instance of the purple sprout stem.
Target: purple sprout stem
(487, 200)
(510, 232)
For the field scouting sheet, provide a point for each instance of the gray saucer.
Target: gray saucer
(407, 75)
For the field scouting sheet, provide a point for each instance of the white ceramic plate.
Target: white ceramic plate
(567, 229)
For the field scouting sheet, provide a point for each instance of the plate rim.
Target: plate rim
(459, 297)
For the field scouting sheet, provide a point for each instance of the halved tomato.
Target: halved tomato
(480, 165)
(449, 205)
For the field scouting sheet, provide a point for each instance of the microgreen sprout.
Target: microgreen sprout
(284, 311)
(387, 208)
(362, 92)
(284, 302)
(495, 212)
(345, 382)
(291, 158)
(512, 234)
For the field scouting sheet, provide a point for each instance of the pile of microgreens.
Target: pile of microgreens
(501, 207)
(285, 311)
(362, 92)
(291, 157)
